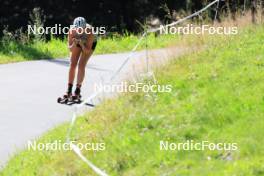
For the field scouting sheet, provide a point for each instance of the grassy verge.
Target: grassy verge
(15, 52)
(217, 96)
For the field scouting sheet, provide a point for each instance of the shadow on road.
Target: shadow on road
(66, 63)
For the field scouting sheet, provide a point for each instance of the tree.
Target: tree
(253, 10)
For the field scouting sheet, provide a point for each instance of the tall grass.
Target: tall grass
(217, 96)
(13, 51)
(19, 46)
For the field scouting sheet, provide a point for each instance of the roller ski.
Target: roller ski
(70, 99)
(76, 98)
(64, 99)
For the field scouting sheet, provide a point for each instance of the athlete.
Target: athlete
(81, 43)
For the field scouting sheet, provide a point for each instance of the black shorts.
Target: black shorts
(93, 46)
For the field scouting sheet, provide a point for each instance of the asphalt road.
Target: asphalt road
(29, 91)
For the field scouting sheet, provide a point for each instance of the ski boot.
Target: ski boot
(76, 98)
(66, 97)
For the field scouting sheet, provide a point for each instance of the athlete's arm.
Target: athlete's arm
(71, 41)
(89, 43)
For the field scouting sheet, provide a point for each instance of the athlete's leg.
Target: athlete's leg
(75, 54)
(81, 66)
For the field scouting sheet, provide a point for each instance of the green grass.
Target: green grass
(217, 96)
(14, 52)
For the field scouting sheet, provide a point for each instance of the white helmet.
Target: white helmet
(79, 22)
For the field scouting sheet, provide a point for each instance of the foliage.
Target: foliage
(116, 15)
(217, 96)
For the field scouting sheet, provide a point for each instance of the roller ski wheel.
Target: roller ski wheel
(76, 99)
(64, 100)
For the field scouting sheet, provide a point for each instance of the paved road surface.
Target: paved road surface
(29, 91)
